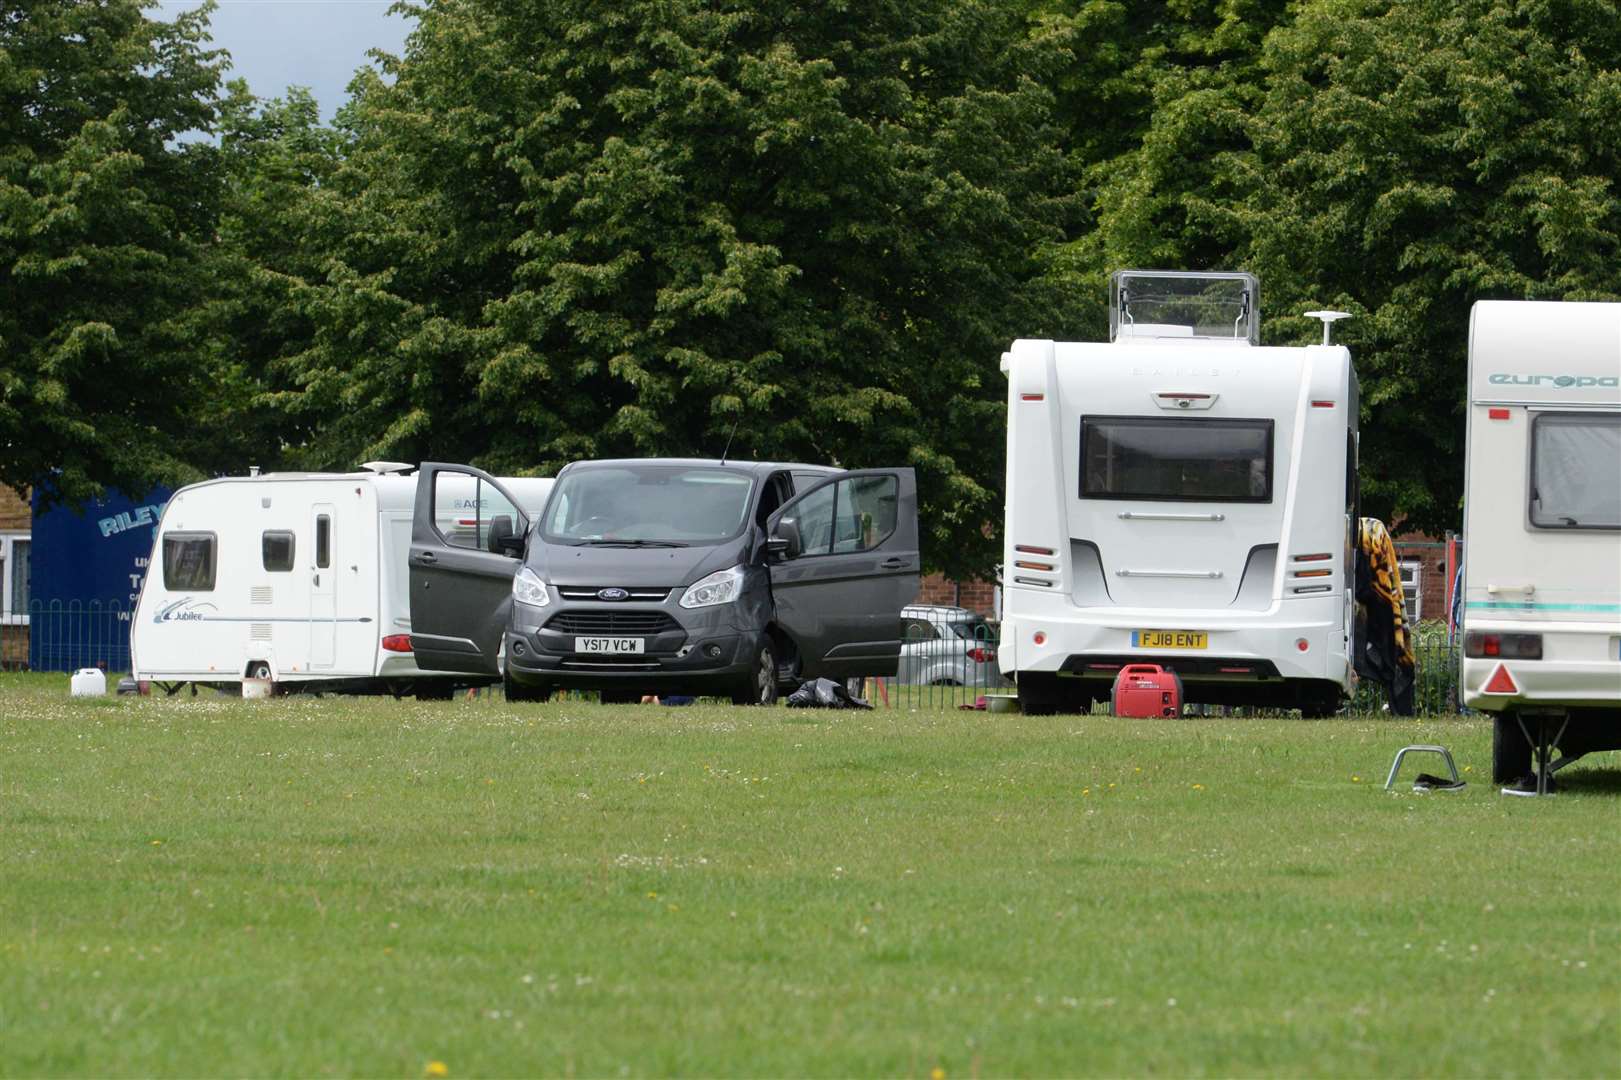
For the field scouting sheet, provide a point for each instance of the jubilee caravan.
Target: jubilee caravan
(303, 578)
(1180, 495)
(1542, 530)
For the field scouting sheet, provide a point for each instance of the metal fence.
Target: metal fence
(65, 637)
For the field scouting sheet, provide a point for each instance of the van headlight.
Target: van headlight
(721, 587)
(527, 588)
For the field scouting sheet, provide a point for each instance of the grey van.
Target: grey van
(665, 576)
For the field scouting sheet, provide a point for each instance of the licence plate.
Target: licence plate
(610, 645)
(1170, 639)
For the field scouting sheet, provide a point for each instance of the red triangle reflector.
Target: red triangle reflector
(1501, 682)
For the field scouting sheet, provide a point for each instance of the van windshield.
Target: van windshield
(1576, 471)
(647, 504)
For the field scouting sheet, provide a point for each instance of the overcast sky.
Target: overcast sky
(275, 44)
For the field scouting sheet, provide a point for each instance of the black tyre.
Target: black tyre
(1037, 696)
(517, 691)
(1511, 752)
(759, 686)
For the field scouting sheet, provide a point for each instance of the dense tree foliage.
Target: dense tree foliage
(103, 217)
(564, 229)
(569, 229)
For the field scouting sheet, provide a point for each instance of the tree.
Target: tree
(103, 209)
(1412, 158)
(571, 230)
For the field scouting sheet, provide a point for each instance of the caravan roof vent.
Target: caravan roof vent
(383, 468)
(1185, 306)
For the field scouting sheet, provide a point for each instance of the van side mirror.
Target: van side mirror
(784, 542)
(503, 541)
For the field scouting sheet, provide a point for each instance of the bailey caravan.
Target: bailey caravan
(1180, 495)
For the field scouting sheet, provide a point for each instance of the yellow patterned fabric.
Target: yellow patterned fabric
(1381, 555)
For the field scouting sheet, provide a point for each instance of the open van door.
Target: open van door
(467, 541)
(844, 561)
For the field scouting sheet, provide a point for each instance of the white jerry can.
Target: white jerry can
(89, 682)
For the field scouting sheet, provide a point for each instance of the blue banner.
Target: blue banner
(88, 565)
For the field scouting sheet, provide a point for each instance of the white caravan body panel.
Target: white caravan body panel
(1542, 501)
(1085, 422)
(324, 617)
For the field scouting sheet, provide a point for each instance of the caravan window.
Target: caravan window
(189, 562)
(323, 541)
(1180, 459)
(1576, 471)
(276, 550)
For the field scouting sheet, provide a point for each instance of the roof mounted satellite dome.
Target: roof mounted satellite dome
(1329, 319)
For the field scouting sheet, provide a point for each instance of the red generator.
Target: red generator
(1146, 690)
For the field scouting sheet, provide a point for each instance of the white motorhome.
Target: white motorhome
(302, 578)
(1542, 529)
(1180, 495)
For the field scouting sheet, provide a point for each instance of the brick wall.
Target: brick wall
(977, 596)
(1431, 556)
(13, 509)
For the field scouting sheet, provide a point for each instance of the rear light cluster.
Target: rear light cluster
(979, 654)
(1482, 644)
(1313, 572)
(1038, 565)
(397, 643)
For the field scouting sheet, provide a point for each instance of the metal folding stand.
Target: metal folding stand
(1541, 748)
(1446, 755)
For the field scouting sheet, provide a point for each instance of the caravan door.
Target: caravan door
(466, 544)
(846, 562)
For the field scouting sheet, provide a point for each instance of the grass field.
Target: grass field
(337, 887)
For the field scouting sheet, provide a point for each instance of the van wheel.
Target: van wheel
(1511, 753)
(517, 691)
(760, 684)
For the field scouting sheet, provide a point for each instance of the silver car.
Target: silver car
(947, 646)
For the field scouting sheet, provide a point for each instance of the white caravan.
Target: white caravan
(302, 578)
(1542, 529)
(1183, 496)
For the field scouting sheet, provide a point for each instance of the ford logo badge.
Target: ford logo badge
(612, 594)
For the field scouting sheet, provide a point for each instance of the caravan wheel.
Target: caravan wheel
(1511, 753)
(258, 669)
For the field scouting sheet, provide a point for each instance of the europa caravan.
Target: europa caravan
(303, 578)
(1542, 529)
(1182, 496)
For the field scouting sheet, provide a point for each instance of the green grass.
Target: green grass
(337, 886)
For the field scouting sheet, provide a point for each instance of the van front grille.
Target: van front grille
(637, 593)
(640, 623)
